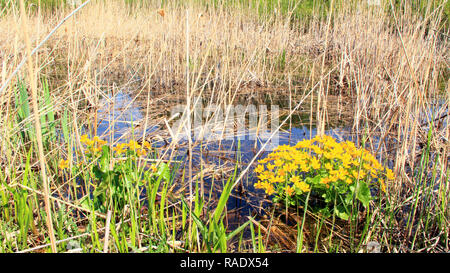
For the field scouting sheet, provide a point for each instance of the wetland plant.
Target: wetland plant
(337, 173)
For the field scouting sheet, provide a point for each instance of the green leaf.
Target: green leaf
(100, 189)
(164, 172)
(325, 212)
(341, 213)
(104, 159)
(224, 198)
(348, 199)
(363, 193)
(236, 231)
(97, 172)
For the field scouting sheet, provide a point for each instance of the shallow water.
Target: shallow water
(122, 118)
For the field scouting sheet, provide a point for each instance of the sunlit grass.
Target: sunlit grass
(127, 194)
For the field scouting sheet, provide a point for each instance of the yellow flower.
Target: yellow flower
(343, 162)
(295, 179)
(288, 168)
(317, 150)
(390, 174)
(374, 173)
(326, 180)
(99, 141)
(270, 189)
(362, 174)
(281, 172)
(259, 169)
(282, 148)
(341, 174)
(304, 187)
(304, 167)
(133, 145)
(147, 145)
(315, 163)
(141, 152)
(63, 164)
(289, 190)
(382, 185)
(120, 148)
(84, 139)
(303, 144)
(263, 176)
(96, 149)
(277, 179)
(278, 162)
(366, 166)
(263, 161)
(292, 167)
(153, 168)
(348, 180)
(259, 185)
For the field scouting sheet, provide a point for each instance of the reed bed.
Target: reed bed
(385, 67)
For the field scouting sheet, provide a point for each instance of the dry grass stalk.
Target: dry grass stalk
(43, 167)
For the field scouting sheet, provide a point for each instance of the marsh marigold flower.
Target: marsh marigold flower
(315, 163)
(295, 179)
(289, 190)
(141, 152)
(259, 169)
(63, 164)
(304, 187)
(84, 138)
(277, 179)
(382, 186)
(120, 148)
(133, 145)
(147, 145)
(86, 141)
(390, 174)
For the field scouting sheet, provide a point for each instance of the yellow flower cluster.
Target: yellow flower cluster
(288, 166)
(95, 146)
